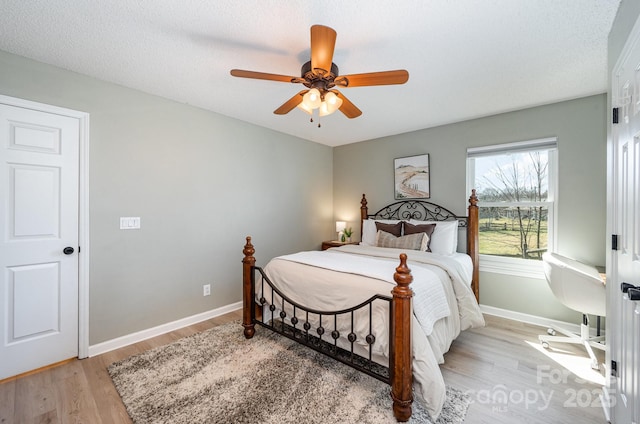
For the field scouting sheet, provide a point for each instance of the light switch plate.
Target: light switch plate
(129, 222)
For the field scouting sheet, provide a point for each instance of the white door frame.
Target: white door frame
(83, 212)
(614, 226)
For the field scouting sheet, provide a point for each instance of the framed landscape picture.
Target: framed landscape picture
(412, 177)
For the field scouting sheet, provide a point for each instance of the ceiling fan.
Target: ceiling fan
(320, 76)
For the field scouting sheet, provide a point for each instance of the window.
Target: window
(515, 184)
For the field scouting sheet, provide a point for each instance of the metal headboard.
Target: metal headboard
(419, 210)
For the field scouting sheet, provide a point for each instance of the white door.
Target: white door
(624, 311)
(39, 176)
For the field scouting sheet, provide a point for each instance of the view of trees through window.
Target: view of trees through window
(513, 189)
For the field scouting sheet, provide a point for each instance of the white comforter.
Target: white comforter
(443, 302)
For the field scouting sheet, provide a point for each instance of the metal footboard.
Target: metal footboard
(317, 329)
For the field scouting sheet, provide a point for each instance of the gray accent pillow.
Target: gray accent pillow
(411, 242)
(422, 228)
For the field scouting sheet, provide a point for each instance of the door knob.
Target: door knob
(624, 287)
(68, 250)
(634, 294)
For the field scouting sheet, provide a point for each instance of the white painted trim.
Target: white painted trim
(534, 319)
(516, 146)
(512, 266)
(139, 336)
(42, 107)
(83, 240)
(83, 210)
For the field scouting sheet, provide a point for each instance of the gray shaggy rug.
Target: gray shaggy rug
(219, 377)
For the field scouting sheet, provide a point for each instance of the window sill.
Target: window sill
(512, 266)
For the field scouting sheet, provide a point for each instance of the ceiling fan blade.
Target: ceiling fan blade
(263, 76)
(349, 109)
(290, 104)
(399, 76)
(323, 42)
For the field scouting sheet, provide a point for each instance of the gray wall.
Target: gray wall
(200, 182)
(579, 126)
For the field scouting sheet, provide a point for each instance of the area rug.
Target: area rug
(218, 376)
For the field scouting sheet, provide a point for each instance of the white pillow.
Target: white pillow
(444, 239)
(369, 230)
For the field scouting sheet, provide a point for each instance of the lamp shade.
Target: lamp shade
(324, 109)
(305, 107)
(340, 226)
(330, 104)
(333, 101)
(312, 99)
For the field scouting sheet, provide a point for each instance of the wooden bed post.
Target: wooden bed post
(400, 366)
(248, 309)
(364, 214)
(473, 248)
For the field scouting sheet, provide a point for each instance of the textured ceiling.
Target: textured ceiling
(466, 58)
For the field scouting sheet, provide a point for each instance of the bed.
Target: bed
(337, 301)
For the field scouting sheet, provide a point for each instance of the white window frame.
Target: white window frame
(518, 266)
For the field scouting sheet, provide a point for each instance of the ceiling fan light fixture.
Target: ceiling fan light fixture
(312, 99)
(333, 101)
(304, 107)
(324, 109)
(330, 104)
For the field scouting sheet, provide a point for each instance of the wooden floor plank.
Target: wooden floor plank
(108, 403)
(35, 397)
(74, 400)
(7, 401)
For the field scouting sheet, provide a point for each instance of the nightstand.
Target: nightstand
(335, 243)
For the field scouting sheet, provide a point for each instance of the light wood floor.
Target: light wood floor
(485, 362)
(504, 360)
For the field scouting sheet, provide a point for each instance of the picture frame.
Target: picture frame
(411, 177)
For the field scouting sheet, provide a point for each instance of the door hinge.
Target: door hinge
(78, 249)
(614, 242)
(615, 115)
(614, 368)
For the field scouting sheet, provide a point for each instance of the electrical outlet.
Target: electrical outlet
(206, 290)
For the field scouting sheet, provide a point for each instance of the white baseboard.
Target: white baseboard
(139, 336)
(536, 320)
